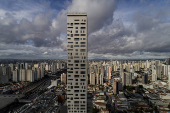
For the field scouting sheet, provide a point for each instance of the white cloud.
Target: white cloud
(45, 53)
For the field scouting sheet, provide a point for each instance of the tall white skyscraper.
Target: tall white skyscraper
(77, 62)
(154, 75)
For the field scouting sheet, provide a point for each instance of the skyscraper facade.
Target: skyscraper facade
(77, 62)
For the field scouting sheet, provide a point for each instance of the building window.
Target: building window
(76, 86)
(82, 50)
(76, 39)
(76, 34)
(76, 101)
(83, 46)
(76, 56)
(82, 94)
(83, 42)
(76, 61)
(76, 75)
(83, 72)
(76, 45)
(70, 64)
(70, 71)
(76, 31)
(70, 49)
(83, 34)
(82, 65)
(83, 27)
(76, 27)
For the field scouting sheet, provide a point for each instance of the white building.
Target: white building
(169, 75)
(30, 75)
(15, 76)
(154, 75)
(54, 82)
(77, 62)
(63, 78)
(22, 75)
(101, 78)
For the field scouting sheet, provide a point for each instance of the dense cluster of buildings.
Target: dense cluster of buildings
(21, 72)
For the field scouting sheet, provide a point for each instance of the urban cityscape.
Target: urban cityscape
(84, 56)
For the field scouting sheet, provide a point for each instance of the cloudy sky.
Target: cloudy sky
(117, 29)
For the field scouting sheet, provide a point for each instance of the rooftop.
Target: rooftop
(77, 14)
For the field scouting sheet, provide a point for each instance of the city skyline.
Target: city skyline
(117, 29)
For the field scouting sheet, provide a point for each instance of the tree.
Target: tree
(16, 100)
(156, 109)
(141, 86)
(169, 106)
(129, 88)
(136, 111)
(94, 110)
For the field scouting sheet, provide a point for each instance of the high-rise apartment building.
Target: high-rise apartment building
(108, 72)
(30, 75)
(63, 78)
(154, 75)
(22, 75)
(168, 61)
(92, 78)
(77, 62)
(115, 87)
(127, 79)
(15, 75)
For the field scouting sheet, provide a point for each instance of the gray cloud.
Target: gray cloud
(149, 33)
(100, 12)
(39, 31)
